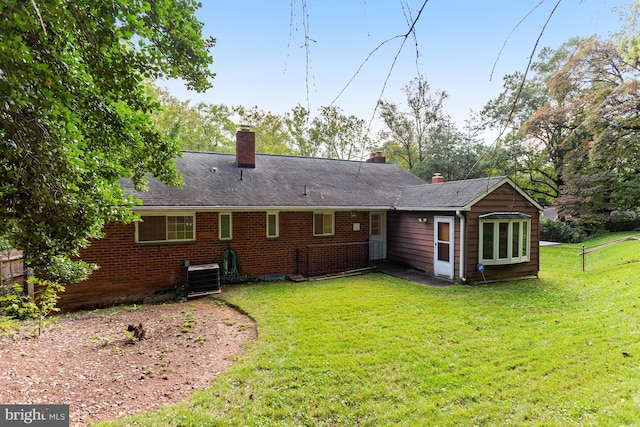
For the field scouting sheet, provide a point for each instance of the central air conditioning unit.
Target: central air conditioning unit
(203, 280)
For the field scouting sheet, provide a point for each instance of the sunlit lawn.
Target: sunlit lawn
(374, 350)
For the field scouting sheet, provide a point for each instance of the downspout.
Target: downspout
(462, 248)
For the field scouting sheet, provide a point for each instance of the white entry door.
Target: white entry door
(377, 235)
(443, 238)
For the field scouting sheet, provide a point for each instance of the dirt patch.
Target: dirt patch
(88, 361)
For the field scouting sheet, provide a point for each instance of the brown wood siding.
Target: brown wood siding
(410, 242)
(504, 199)
(130, 272)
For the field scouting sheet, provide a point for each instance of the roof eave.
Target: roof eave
(258, 208)
(433, 209)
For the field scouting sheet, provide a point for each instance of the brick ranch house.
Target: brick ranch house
(284, 215)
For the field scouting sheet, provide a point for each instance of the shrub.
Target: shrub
(622, 222)
(558, 231)
(15, 303)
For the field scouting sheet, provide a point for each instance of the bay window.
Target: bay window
(505, 238)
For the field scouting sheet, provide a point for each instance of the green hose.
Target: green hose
(229, 263)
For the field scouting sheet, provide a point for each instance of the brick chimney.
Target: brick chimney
(377, 157)
(246, 147)
(437, 178)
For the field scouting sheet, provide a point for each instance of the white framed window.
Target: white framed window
(225, 226)
(505, 238)
(323, 223)
(273, 226)
(166, 228)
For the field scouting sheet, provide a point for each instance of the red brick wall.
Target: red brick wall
(130, 271)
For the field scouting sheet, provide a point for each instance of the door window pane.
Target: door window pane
(443, 231)
(375, 224)
(443, 252)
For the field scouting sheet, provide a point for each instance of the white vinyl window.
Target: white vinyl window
(165, 228)
(225, 226)
(273, 226)
(323, 223)
(273, 229)
(505, 238)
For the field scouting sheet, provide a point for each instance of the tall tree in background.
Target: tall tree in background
(448, 154)
(575, 128)
(74, 117)
(628, 39)
(270, 130)
(409, 134)
(199, 127)
(211, 128)
(522, 113)
(341, 137)
(607, 97)
(297, 126)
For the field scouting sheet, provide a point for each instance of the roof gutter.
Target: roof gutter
(191, 208)
(433, 208)
(462, 248)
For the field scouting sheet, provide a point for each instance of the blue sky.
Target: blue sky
(260, 57)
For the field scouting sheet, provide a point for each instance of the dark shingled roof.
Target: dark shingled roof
(452, 195)
(213, 181)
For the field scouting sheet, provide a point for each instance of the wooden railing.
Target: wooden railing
(333, 258)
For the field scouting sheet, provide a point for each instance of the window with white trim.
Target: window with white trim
(225, 226)
(273, 229)
(323, 223)
(165, 228)
(505, 238)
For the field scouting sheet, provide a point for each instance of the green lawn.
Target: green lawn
(375, 351)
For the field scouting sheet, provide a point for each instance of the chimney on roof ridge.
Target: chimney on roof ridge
(245, 147)
(377, 157)
(437, 178)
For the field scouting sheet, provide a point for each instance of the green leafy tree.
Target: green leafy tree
(340, 136)
(199, 127)
(297, 125)
(74, 116)
(628, 39)
(603, 170)
(448, 155)
(270, 129)
(409, 133)
(529, 115)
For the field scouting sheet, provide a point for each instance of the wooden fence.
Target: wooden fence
(11, 267)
